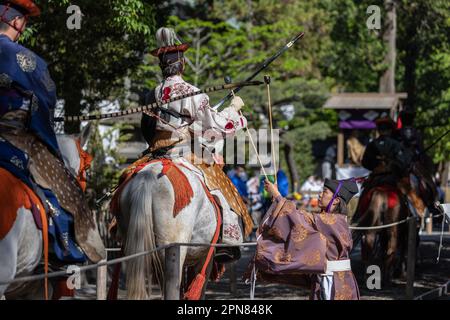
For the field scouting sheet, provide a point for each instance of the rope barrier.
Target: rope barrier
(144, 253)
(443, 289)
(390, 224)
(382, 226)
(118, 260)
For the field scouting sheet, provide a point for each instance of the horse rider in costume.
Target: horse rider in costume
(184, 124)
(305, 249)
(29, 152)
(422, 165)
(385, 156)
(390, 162)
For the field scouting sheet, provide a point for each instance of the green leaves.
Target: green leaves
(91, 64)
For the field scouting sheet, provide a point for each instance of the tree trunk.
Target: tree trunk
(293, 173)
(387, 80)
(411, 50)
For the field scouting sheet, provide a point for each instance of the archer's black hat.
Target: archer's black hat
(348, 188)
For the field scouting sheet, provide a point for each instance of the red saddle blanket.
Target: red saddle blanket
(392, 192)
(18, 195)
(181, 186)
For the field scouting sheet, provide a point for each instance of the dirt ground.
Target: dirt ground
(429, 275)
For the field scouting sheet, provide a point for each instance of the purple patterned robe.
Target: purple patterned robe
(294, 247)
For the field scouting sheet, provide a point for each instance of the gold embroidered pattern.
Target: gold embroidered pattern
(287, 209)
(344, 237)
(341, 275)
(328, 218)
(26, 61)
(299, 233)
(322, 237)
(345, 293)
(282, 257)
(308, 216)
(259, 251)
(312, 259)
(275, 232)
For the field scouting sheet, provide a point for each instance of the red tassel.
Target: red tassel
(195, 289)
(180, 183)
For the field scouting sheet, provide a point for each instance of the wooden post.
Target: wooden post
(172, 273)
(340, 148)
(429, 224)
(102, 277)
(411, 260)
(233, 281)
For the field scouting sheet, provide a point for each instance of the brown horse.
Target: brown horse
(379, 206)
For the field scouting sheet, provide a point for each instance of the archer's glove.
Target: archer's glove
(237, 103)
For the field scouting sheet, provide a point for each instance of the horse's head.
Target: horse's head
(75, 158)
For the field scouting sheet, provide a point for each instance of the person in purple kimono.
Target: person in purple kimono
(309, 249)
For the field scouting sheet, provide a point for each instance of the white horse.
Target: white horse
(21, 249)
(146, 221)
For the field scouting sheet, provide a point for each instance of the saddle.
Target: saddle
(50, 173)
(395, 190)
(215, 179)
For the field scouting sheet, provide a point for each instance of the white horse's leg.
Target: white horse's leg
(196, 223)
(20, 250)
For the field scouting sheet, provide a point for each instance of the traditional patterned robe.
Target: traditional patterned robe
(29, 151)
(295, 247)
(199, 116)
(208, 128)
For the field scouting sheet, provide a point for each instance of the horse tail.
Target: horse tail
(140, 237)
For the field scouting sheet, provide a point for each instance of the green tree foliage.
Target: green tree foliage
(89, 65)
(424, 54)
(234, 37)
(231, 37)
(105, 169)
(355, 59)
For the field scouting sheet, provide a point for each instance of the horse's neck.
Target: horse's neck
(70, 153)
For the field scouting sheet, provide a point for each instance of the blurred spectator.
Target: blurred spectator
(440, 191)
(355, 148)
(283, 187)
(328, 162)
(312, 184)
(239, 178)
(253, 192)
(310, 191)
(254, 198)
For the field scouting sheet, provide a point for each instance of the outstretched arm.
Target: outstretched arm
(272, 189)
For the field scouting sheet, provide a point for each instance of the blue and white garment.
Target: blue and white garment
(22, 71)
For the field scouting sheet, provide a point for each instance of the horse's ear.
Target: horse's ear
(85, 134)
